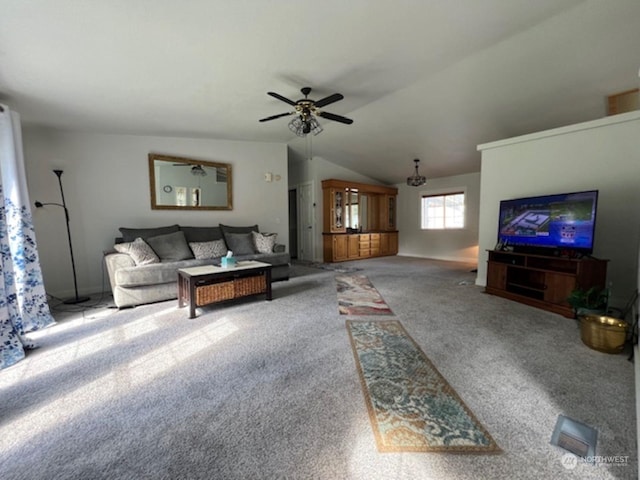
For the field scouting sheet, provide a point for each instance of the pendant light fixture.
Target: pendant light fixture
(416, 180)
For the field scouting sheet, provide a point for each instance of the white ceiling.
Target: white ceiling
(426, 79)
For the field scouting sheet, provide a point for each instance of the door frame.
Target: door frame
(293, 224)
(312, 203)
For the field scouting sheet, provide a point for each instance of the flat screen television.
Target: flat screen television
(560, 222)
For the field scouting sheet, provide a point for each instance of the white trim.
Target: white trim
(601, 122)
(444, 191)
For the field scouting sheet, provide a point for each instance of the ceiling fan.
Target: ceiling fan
(195, 169)
(306, 111)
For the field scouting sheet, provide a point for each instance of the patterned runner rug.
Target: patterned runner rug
(411, 406)
(334, 267)
(357, 296)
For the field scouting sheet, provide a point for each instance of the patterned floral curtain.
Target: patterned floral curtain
(23, 301)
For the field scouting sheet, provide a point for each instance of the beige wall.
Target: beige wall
(106, 184)
(458, 245)
(314, 171)
(600, 155)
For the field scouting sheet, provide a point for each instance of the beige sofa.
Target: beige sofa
(134, 283)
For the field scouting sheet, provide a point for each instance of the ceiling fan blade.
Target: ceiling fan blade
(273, 117)
(335, 118)
(280, 97)
(327, 100)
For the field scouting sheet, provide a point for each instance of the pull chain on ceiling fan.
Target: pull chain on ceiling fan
(306, 111)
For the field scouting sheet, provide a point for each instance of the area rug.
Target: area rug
(411, 406)
(334, 267)
(357, 296)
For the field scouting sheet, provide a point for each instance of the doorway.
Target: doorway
(293, 223)
(306, 222)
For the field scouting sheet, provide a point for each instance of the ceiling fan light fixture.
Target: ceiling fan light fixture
(198, 170)
(296, 126)
(306, 111)
(302, 127)
(416, 180)
(314, 126)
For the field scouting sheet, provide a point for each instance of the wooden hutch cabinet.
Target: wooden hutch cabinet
(359, 220)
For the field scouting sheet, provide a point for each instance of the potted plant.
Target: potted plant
(595, 300)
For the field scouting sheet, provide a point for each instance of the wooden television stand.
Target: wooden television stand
(542, 281)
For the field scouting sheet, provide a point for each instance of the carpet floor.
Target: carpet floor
(270, 390)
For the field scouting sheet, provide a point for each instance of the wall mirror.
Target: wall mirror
(179, 183)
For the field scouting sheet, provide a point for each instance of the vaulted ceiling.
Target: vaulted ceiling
(426, 79)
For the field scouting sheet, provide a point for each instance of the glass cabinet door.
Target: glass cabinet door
(353, 209)
(337, 209)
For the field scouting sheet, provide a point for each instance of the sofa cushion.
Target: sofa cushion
(139, 251)
(228, 229)
(240, 243)
(171, 247)
(213, 249)
(275, 259)
(202, 234)
(130, 234)
(264, 242)
(231, 229)
(154, 274)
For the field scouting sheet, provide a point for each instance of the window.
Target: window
(443, 211)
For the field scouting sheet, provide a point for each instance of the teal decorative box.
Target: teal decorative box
(228, 262)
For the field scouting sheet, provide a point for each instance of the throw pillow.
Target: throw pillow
(201, 234)
(264, 242)
(231, 230)
(240, 243)
(206, 250)
(171, 247)
(141, 253)
(130, 234)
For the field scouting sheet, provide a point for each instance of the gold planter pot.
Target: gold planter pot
(602, 333)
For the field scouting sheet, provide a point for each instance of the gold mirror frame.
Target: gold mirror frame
(196, 191)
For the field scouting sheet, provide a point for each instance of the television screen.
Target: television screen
(564, 221)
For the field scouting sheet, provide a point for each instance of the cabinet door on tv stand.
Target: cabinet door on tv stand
(558, 287)
(497, 276)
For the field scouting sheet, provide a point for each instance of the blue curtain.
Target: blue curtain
(23, 300)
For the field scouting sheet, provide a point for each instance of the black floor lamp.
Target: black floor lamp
(77, 298)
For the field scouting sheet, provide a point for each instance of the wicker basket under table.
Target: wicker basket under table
(200, 286)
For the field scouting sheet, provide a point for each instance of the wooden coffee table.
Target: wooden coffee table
(209, 284)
